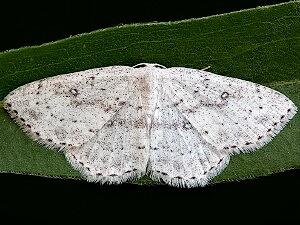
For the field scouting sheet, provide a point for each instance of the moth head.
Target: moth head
(141, 65)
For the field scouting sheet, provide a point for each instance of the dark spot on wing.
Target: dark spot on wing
(224, 95)
(187, 125)
(109, 108)
(74, 92)
(211, 168)
(190, 110)
(109, 123)
(121, 122)
(177, 103)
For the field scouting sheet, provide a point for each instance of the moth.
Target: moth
(177, 125)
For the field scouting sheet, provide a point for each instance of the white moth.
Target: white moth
(177, 125)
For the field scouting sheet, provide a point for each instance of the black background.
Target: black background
(26, 23)
(267, 200)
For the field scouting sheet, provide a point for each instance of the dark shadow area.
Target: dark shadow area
(265, 200)
(26, 23)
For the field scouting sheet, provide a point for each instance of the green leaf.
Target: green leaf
(260, 45)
